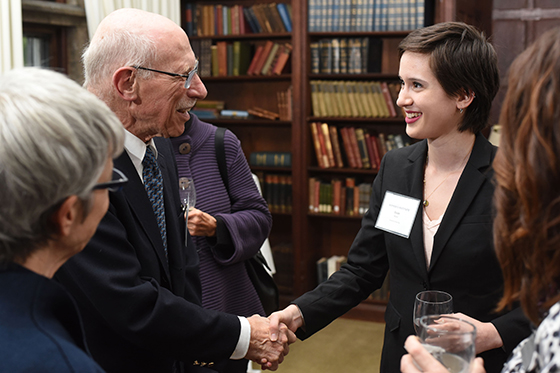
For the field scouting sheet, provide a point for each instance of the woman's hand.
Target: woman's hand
(201, 223)
(419, 360)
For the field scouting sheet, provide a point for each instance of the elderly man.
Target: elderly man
(137, 283)
(56, 165)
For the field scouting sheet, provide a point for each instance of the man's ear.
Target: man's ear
(124, 81)
(67, 215)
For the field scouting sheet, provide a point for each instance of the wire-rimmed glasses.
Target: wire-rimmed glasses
(118, 181)
(189, 77)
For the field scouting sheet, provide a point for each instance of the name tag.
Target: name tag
(397, 214)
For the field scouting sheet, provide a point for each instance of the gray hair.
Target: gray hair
(104, 55)
(56, 138)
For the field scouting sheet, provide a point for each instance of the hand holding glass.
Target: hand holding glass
(431, 302)
(450, 340)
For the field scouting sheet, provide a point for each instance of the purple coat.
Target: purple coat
(244, 220)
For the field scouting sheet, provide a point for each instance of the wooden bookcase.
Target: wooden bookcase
(305, 237)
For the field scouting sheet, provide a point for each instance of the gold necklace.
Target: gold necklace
(425, 203)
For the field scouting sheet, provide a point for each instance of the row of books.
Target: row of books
(346, 56)
(327, 266)
(358, 149)
(339, 197)
(354, 99)
(237, 58)
(271, 159)
(221, 19)
(277, 191)
(366, 15)
(215, 109)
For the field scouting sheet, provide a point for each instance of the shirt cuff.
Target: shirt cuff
(244, 340)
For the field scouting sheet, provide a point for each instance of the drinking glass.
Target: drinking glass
(450, 340)
(187, 193)
(431, 302)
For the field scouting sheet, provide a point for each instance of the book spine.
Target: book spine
(348, 147)
(362, 147)
(336, 146)
(271, 159)
(355, 148)
(328, 144)
(317, 145)
(323, 146)
(264, 56)
(286, 19)
(388, 99)
(270, 58)
(282, 59)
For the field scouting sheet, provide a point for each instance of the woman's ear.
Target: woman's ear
(465, 99)
(66, 216)
(124, 81)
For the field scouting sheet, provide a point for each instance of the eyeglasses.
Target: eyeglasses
(119, 180)
(189, 77)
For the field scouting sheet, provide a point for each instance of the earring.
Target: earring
(461, 111)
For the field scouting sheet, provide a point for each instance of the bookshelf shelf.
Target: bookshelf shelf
(369, 76)
(381, 34)
(283, 35)
(339, 120)
(271, 169)
(251, 122)
(335, 216)
(247, 78)
(341, 171)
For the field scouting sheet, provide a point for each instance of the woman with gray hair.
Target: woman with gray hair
(56, 167)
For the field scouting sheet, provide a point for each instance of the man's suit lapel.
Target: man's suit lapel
(141, 207)
(414, 174)
(467, 188)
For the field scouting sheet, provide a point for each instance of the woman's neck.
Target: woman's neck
(447, 154)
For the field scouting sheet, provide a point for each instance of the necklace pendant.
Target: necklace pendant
(425, 203)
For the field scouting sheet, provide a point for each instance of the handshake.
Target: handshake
(271, 337)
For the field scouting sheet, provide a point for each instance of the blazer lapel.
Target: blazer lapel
(141, 207)
(467, 188)
(414, 174)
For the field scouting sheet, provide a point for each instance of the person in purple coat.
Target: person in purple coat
(228, 224)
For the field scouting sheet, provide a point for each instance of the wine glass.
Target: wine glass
(188, 200)
(431, 302)
(450, 340)
(187, 193)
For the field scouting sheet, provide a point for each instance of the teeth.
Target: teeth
(413, 115)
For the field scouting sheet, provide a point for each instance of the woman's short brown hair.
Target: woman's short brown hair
(464, 62)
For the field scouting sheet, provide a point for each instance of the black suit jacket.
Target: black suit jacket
(140, 314)
(463, 261)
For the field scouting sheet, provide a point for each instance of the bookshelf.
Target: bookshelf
(301, 237)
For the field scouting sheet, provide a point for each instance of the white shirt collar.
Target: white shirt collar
(136, 150)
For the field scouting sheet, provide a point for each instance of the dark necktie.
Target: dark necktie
(153, 183)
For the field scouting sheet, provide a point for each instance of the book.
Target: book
(322, 270)
(263, 57)
(322, 146)
(388, 99)
(336, 200)
(251, 20)
(373, 163)
(315, 58)
(348, 147)
(241, 57)
(354, 146)
(241, 114)
(222, 58)
(362, 147)
(269, 59)
(271, 159)
(328, 144)
(376, 151)
(285, 15)
(282, 59)
(273, 14)
(229, 57)
(215, 64)
(255, 59)
(336, 146)
(262, 113)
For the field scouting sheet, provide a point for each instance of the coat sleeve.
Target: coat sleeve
(250, 221)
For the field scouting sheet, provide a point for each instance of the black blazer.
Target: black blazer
(463, 261)
(140, 314)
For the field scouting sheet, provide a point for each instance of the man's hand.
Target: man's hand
(201, 223)
(264, 351)
(289, 316)
(487, 336)
(419, 360)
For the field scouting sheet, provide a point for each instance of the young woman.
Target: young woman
(430, 218)
(527, 226)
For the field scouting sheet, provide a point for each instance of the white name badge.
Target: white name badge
(397, 214)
